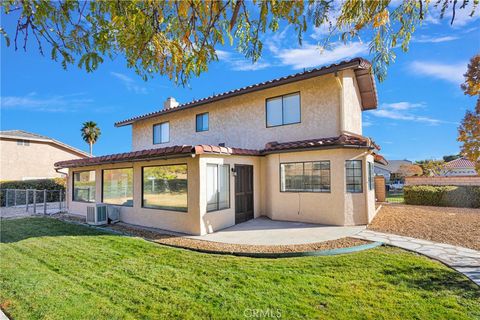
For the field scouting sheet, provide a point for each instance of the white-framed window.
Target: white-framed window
(161, 133)
(24, 143)
(218, 187)
(354, 177)
(201, 122)
(311, 176)
(283, 110)
(371, 176)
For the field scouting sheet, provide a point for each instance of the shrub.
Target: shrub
(443, 196)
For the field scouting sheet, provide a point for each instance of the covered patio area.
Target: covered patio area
(264, 231)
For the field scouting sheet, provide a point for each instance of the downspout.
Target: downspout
(342, 107)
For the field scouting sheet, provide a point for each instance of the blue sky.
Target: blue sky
(420, 103)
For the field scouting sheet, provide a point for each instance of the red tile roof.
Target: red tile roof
(378, 158)
(362, 69)
(159, 153)
(343, 141)
(175, 151)
(460, 163)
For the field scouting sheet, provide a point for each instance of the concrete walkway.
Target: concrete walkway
(263, 231)
(464, 260)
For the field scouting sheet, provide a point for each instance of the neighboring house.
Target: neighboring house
(391, 169)
(459, 167)
(26, 155)
(289, 149)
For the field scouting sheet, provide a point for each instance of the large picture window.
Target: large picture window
(371, 176)
(161, 133)
(354, 178)
(165, 187)
(283, 110)
(84, 186)
(218, 187)
(118, 186)
(305, 176)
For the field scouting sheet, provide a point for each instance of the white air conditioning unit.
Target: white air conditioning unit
(113, 214)
(97, 215)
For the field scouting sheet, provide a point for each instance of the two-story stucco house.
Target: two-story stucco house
(289, 149)
(26, 156)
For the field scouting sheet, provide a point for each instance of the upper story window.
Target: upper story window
(283, 110)
(202, 122)
(23, 143)
(161, 133)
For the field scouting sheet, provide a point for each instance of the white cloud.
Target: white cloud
(448, 72)
(57, 103)
(405, 111)
(439, 39)
(222, 55)
(311, 55)
(462, 16)
(403, 105)
(238, 63)
(129, 83)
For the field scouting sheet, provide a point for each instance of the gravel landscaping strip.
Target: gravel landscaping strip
(175, 240)
(184, 242)
(456, 226)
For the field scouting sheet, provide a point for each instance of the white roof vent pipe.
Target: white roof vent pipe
(170, 103)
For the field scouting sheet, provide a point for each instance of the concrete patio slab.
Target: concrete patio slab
(263, 231)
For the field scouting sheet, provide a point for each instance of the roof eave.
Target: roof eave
(357, 64)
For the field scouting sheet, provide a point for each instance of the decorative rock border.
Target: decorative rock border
(276, 255)
(270, 255)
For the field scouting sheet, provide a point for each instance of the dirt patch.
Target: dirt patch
(184, 242)
(457, 226)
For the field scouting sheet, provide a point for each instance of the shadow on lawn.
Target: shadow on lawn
(433, 279)
(14, 230)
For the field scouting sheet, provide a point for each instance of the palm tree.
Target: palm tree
(90, 133)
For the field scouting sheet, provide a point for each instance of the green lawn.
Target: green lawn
(54, 270)
(395, 198)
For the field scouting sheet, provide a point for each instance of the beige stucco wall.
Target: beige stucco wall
(217, 220)
(241, 121)
(335, 208)
(351, 103)
(186, 222)
(18, 162)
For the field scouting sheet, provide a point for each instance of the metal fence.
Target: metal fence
(16, 202)
(394, 194)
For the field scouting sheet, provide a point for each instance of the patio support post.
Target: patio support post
(44, 201)
(34, 201)
(14, 197)
(6, 197)
(26, 200)
(60, 200)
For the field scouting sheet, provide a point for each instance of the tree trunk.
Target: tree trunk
(91, 148)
